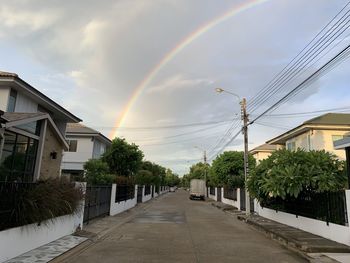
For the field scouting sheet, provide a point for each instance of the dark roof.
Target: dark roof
(7, 74)
(331, 119)
(80, 129)
(264, 147)
(43, 97)
(17, 116)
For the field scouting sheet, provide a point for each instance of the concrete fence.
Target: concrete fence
(335, 232)
(338, 233)
(18, 240)
(119, 207)
(220, 197)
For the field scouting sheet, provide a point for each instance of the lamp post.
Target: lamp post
(244, 117)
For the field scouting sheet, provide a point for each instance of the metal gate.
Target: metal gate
(242, 196)
(139, 194)
(218, 194)
(97, 201)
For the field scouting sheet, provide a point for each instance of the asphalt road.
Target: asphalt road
(173, 228)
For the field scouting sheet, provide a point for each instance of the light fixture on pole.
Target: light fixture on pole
(244, 116)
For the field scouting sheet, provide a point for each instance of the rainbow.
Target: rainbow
(178, 48)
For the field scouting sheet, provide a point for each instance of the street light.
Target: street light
(244, 114)
(220, 90)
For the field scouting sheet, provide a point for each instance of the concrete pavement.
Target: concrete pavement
(173, 228)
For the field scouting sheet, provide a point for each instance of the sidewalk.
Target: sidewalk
(315, 248)
(99, 229)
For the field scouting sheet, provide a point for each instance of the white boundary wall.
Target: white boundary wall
(214, 197)
(232, 202)
(332, 231)
(146, 198)
(117, 208)
(19, 240)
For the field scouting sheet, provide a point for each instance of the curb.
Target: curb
(310, 256)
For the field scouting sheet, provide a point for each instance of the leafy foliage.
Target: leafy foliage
(97, 172)
(228, 168)
(288, 173)
(37, 202)
(123, 158)
(197, 171)
(171, 179)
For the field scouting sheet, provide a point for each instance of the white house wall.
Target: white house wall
(25, 104)
(76, 160)
(4, 97)
(319, 140)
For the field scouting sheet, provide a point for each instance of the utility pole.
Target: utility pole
(246, 171)
(205, 169)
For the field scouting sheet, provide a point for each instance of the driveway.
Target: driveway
(173, 228)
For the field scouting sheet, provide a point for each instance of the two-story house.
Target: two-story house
(84, 144)
(263, 151)
(32, 131)
(317, 134)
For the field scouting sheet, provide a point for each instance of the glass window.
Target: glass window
(32, 127)
(291, 146)
(18, 158)
(337, 137)
(73, 145)
(12, 101)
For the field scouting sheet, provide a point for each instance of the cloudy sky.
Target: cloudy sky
(91, 56)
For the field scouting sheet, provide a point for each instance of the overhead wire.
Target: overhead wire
(292, 72)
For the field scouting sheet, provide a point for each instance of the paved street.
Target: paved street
(173, 228)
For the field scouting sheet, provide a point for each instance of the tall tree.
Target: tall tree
(228, 168)
(123, 158)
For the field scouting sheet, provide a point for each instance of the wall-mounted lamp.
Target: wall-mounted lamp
(53, 155)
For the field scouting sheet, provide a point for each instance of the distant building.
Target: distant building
(84, 144)
(32, 132)
(263, 151)
(317, 134)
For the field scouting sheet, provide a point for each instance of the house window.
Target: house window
(12, 101)
(18, 158)
(291, 146)
(337, 137)
(73, 145)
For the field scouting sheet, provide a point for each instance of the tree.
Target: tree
(286, 174)
(228, 168)
(123, 158)
(97, 172)
(171, 179)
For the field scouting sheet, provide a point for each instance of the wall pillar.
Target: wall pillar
(347, 153)
(40, 150)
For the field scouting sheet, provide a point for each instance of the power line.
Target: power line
(187, 125)
(280, 80)
(182, 134)
(329, 65)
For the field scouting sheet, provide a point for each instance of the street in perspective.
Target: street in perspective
(174, 131)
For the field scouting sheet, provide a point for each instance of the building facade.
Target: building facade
(32, 131)
(84, 144)
(319, 133)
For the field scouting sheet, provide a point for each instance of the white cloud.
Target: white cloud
(180, 82)
(13, 18)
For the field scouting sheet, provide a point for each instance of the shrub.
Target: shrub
(97, 172)
(288, 173)
(37, 202)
